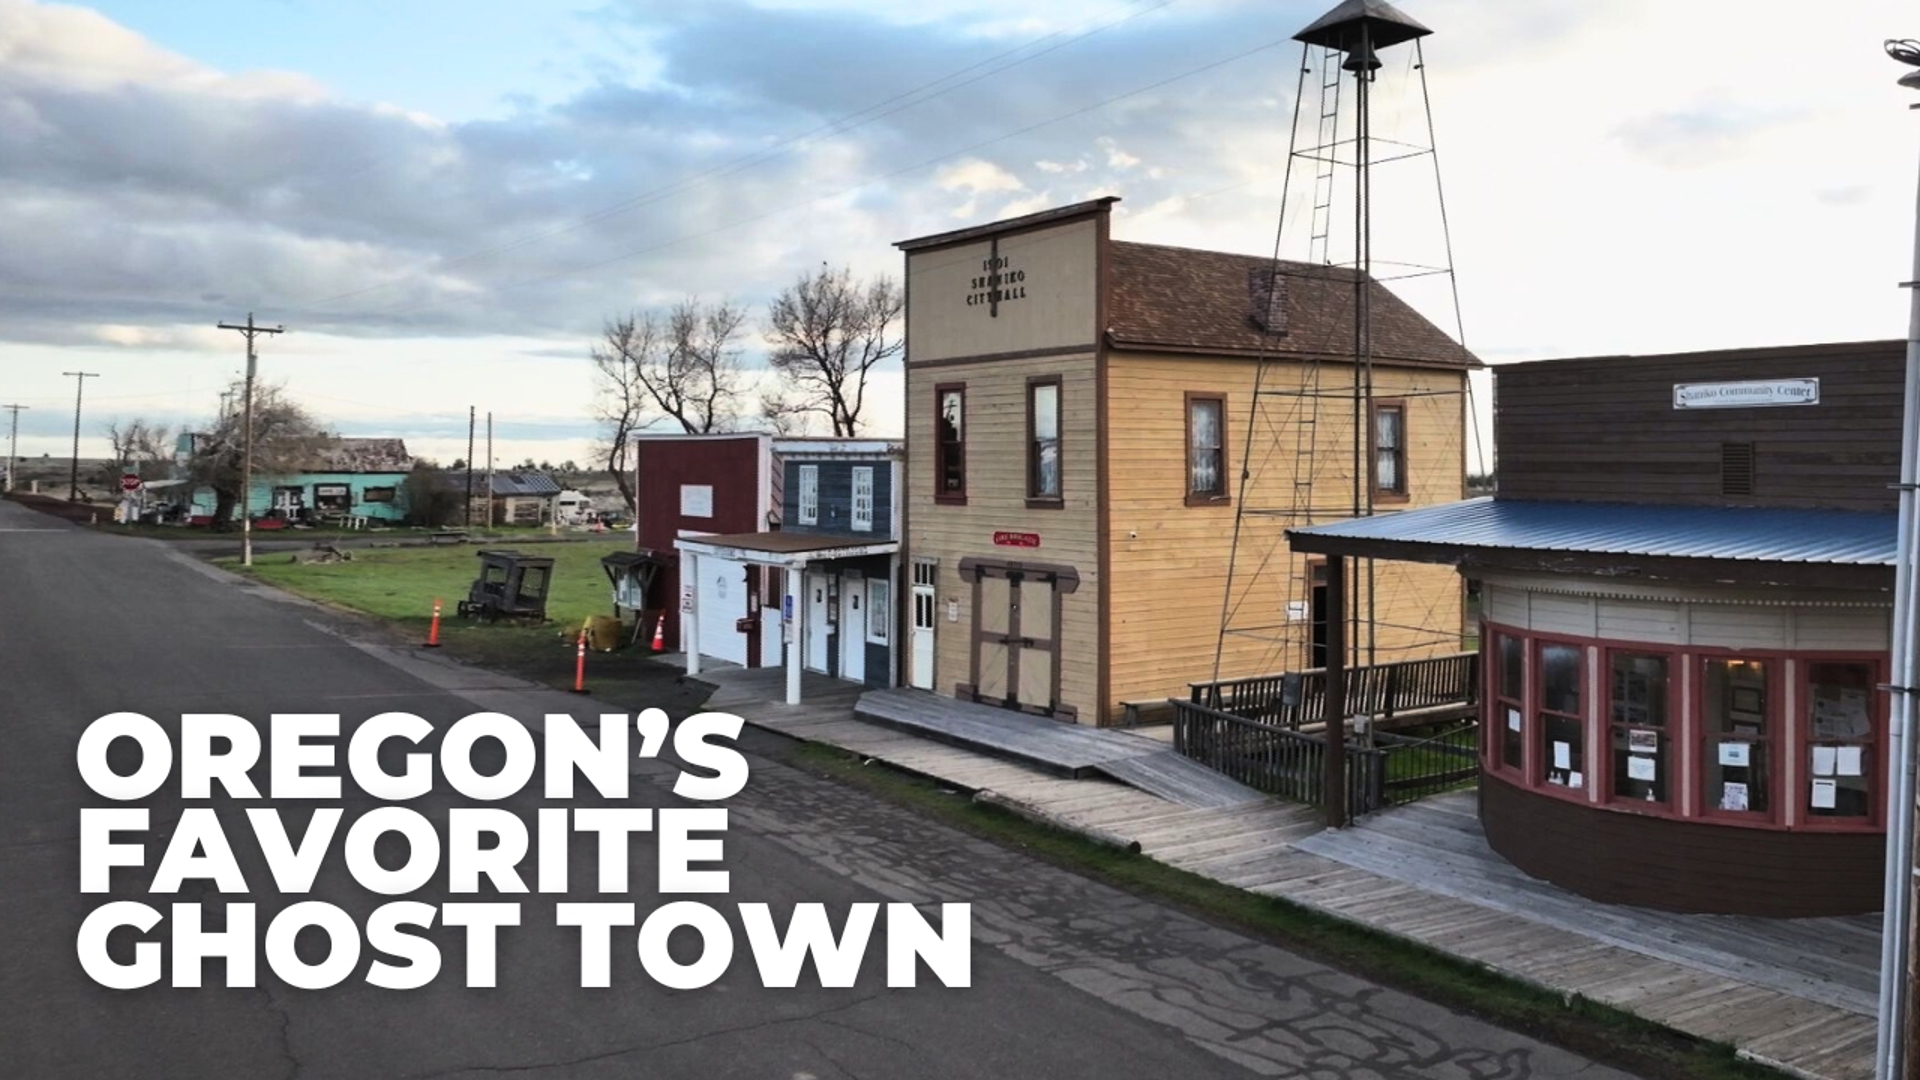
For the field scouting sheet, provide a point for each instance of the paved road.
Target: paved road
(1070, 978)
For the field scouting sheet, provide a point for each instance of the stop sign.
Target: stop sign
(130, 483)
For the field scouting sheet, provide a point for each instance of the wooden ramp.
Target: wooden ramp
(1072, 750)
(1437, 845)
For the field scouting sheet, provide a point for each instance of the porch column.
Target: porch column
(690, 618)
(1334, 783)
(895, 636)
(795, 630)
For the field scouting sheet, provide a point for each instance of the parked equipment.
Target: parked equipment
(510, 586)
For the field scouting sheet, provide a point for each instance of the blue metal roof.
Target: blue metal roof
(1686, 532)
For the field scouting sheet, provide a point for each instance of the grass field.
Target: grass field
(400, 585)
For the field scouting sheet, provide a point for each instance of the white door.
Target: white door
(853, 628)
(923, 618)
(723, 603)
(815, 601)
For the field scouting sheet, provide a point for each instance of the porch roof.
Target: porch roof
(1747, 545)
(783, 548)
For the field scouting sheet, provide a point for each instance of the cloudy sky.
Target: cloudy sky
(443, 200)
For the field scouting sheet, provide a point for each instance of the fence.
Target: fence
(1395, 692)
(1291, 764)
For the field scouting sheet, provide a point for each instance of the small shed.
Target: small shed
(523, 498)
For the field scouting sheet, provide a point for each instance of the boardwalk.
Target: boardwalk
(1797, 994)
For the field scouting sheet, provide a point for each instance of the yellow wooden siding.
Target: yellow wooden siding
(996, 433)
(1169, 560)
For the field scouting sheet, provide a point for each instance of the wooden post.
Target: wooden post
(1335, 729)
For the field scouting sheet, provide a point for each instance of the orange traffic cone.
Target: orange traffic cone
(580, 663)
(433, 632)
(660, 635)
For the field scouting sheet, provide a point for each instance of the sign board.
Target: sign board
(686, 598)
(130, 482)
(1753, 394)
(786, 609)
(1017, 539)
(696, 500)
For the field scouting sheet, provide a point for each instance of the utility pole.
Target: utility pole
(1892, 1052)
(249, 331)
(469, 517)
(13, 442)
(489, 469)
(73, 478)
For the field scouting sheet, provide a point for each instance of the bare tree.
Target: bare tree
(286, 438)
(140, 447)
(829, 332)
(682, 367)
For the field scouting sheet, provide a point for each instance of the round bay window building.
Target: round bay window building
(1685, 590)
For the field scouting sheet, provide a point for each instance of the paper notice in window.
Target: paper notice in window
(1847, 761)
(1562, 755)
(1641, 768)
(1823, 760)
(1513, 719)
(1823, 794)
(1643, 742)
(1736, 755)
(1840, 713)
(1576, 780)
(1733, 796)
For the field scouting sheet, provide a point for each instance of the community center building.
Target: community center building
(1687, 578)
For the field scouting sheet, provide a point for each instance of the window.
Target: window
(1562, 748)
(1206, 449)
(809, 494)
(1638, 730)
(1509, 681)
(1390, 450)
(331, 497)
(1043, 438)
(377, 495)
(950, 442)
(879, 610)
(861, 517)
(1840, 730)
(1734, 719)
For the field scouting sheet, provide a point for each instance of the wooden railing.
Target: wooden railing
(1402, 691)
(1388, 771)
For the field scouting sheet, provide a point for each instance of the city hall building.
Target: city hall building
(1078, 408)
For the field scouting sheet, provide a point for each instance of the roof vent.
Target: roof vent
(1736, 468)
(1267, 298)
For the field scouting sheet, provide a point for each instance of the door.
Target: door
(923, 619)
(853, 628)
(815, 620)
(991, 623)
(1317, 584)
(1033, 672)
(723, 603)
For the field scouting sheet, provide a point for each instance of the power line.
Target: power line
(1136, 92)
(838, 125)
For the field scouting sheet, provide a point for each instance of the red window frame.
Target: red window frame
(1539, 759)
(1873, 765)
(1499, 703)
(1674, 733)
(1705, 742)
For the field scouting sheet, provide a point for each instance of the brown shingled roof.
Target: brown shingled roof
(360, 455)
(1200, 301)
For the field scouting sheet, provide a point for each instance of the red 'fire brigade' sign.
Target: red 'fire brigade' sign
(130, 483)
(1014, 539)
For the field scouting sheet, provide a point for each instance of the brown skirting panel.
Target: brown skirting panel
(1623, 858)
